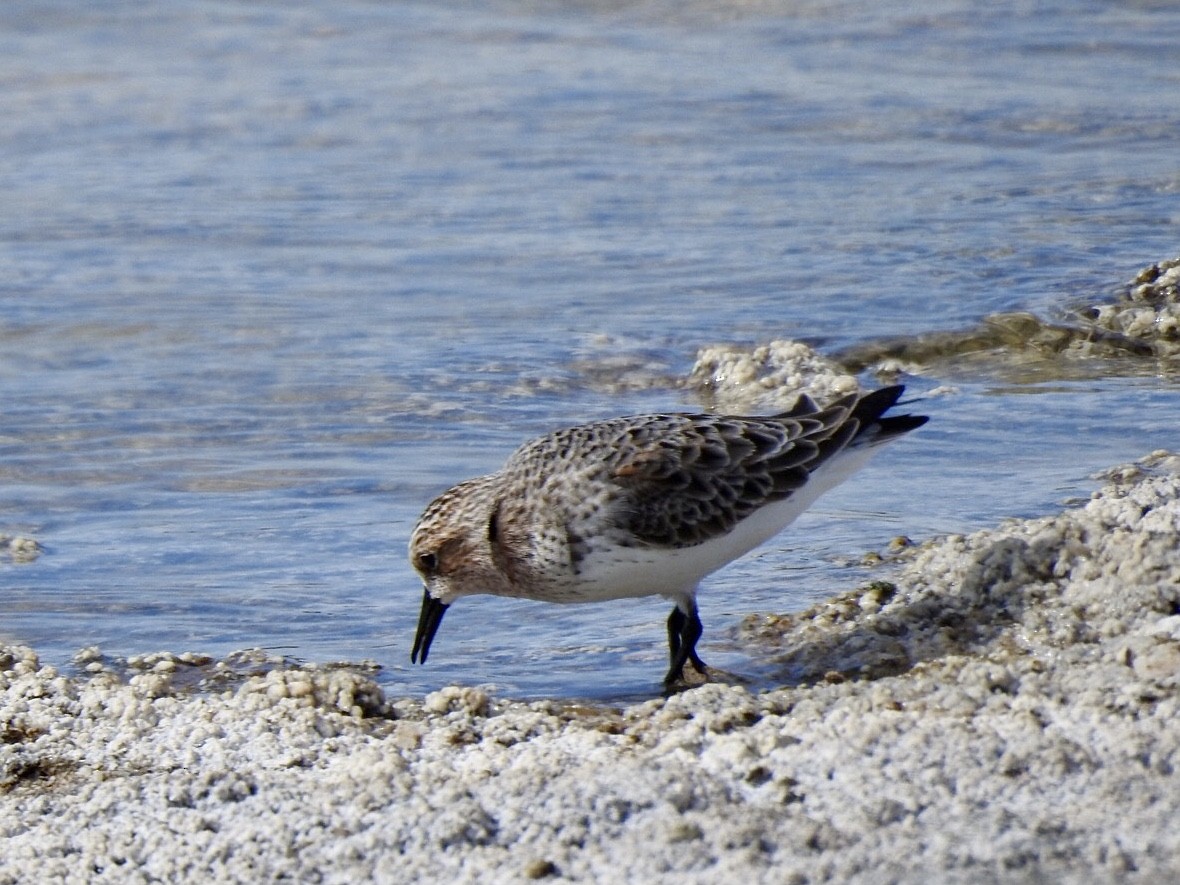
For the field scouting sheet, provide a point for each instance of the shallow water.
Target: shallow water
(274, 276)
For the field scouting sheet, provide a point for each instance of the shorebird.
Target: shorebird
(640, 506)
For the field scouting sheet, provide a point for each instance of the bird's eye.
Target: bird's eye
(427, 562)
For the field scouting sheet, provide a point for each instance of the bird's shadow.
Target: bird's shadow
(884, 629)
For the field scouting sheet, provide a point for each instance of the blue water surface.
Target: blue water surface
(273, 275)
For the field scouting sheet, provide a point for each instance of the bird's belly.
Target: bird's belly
(621, 572)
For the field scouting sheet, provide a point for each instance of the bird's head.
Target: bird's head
(454, 549)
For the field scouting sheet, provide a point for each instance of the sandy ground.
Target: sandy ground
(998, 707)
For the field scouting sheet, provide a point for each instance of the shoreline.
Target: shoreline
(1001, 708)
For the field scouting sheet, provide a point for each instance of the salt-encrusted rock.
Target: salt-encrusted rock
(1139, 324)
(766, 378)
(19, 548)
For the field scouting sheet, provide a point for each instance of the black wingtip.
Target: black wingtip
(428, 620)
(875, 403)
(870, 409)
(896, 424)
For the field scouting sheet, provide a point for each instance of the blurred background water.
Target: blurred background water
(274, 275)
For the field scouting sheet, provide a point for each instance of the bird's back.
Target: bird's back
(709, 486)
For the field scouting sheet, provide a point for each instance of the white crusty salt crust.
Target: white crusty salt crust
(767, 378)
(1148, 309)
(1000, 707)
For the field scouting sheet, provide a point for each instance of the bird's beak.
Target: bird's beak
(428, 621)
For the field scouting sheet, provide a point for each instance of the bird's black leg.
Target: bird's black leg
(684, 629)
(692, 633)
(675, 625)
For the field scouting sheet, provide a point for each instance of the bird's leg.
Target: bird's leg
(675, 625)
(684, 629)
(692, 633)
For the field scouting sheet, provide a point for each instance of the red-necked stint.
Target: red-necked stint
(640, 506)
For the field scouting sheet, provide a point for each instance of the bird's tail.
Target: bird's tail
(873, 426)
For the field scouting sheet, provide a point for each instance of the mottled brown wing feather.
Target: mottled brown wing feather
(699, 481)
(682, 479)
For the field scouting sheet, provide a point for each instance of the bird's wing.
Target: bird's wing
(690, 478)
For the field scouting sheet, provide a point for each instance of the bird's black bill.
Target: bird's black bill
(428, 621)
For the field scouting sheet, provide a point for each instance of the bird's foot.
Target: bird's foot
(693, 673)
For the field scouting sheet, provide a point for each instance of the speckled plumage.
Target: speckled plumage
(639, 506)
